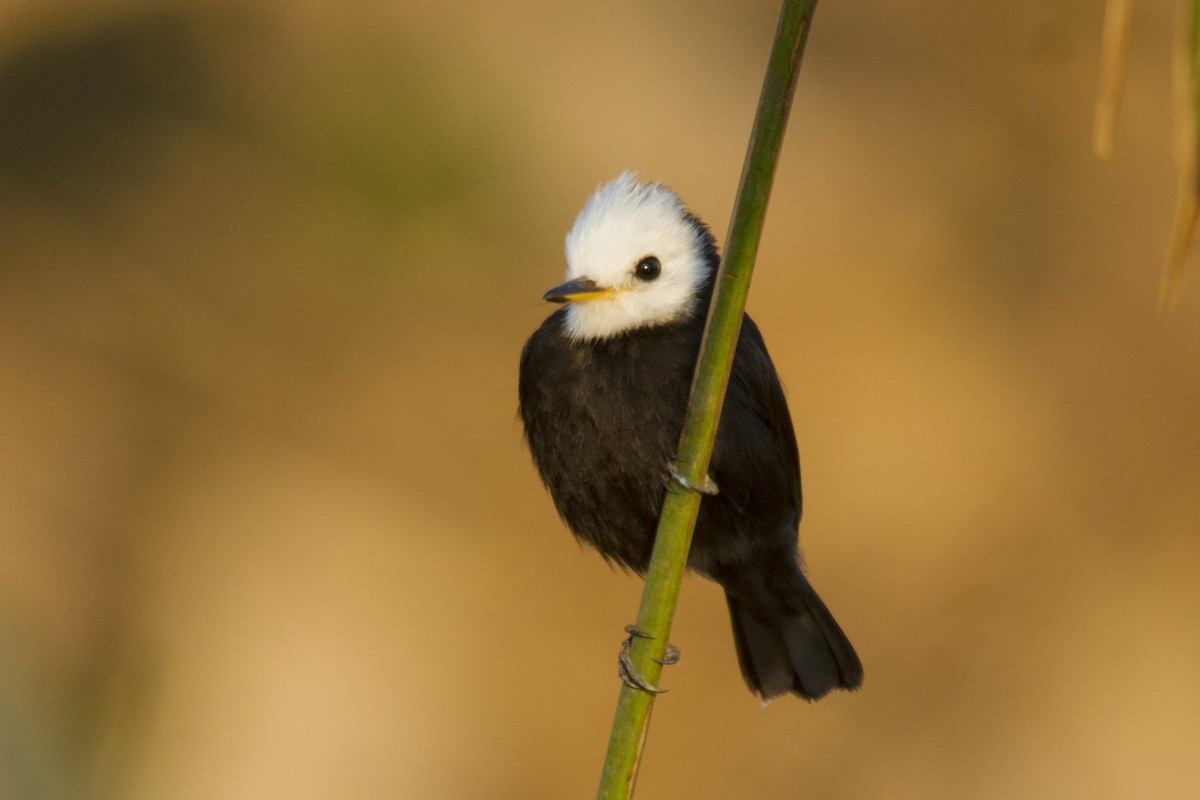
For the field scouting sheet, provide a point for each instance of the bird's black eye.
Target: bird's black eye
(648, 268)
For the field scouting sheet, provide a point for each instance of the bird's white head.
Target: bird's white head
(635, 258)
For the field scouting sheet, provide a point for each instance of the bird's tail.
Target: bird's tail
(787, 641)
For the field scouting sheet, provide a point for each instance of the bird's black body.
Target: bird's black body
(603, 418)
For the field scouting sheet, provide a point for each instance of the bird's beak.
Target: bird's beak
(575, 290)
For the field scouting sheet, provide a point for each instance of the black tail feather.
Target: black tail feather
(792, 644)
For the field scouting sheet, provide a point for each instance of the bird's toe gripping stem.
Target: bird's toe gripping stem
(628, 673)
(709, 488)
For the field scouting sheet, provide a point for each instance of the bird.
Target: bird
(603, 389)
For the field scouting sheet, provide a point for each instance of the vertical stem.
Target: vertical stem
(673, 539)
(1187, 143)
(1114, 65)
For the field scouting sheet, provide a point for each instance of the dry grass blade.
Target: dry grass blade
(1187, 145)
(1114, 65)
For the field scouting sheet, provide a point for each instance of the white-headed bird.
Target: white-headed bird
(604, 387)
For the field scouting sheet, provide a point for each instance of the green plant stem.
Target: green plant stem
(674, 535)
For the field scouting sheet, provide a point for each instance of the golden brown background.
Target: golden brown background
(267, 525)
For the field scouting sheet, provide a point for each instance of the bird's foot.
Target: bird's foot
(709, 487)
(629, 674)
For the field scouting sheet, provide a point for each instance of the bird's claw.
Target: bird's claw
(628, 673)
(671, 656)
(709, 487)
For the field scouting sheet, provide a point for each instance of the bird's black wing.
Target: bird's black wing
(755, 456)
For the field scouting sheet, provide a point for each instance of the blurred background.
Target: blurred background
(267, 524)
